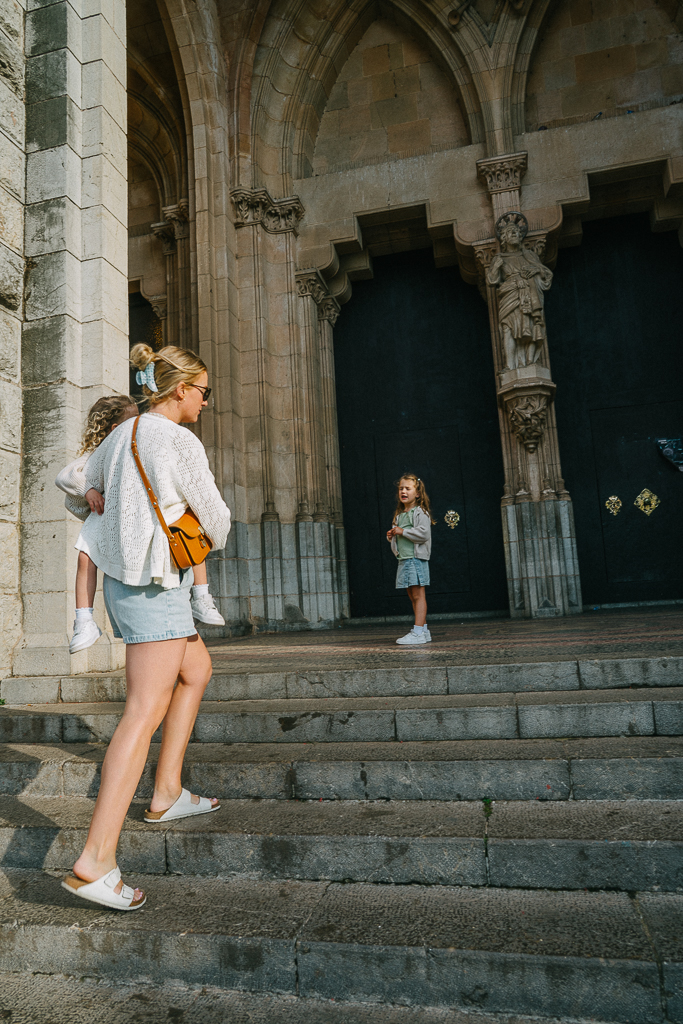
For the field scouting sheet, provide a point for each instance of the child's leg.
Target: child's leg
(86, 581)
(418, 599)
(200, 575)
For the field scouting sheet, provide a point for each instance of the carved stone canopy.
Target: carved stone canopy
(256, 206)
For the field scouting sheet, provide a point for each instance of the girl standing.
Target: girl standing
(411, 542)
(148, 603)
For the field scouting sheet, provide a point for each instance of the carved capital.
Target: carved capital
(484, 253)
(502, 173)
(329, 310)
(159, 305)
(256, 206)
(178, 215)
(309, 282)
(166, 235)
(527, 414)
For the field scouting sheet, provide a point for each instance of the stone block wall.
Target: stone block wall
(74, 343)
(391, 99)
(12, 194)
(596, 58)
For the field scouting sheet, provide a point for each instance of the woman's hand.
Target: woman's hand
(95, 500)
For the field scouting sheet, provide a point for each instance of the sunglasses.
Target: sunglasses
(205, 391)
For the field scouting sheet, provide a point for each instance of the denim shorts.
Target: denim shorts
(139, 615)
(412, 572)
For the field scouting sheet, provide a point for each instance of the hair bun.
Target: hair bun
(141, 355)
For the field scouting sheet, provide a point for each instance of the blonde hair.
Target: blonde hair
(422, 497)
(103, 415)
(172, 366)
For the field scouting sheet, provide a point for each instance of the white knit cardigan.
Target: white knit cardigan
(71, 480)
(127, 541)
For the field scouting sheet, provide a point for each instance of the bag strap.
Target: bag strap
(148, 487)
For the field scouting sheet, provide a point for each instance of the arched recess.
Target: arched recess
(159, 231)
(568, 69)
(302, 49)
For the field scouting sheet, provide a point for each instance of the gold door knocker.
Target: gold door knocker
(613, 504)
(647, 501)
(452, 518)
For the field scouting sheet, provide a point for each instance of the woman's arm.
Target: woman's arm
(198, 487)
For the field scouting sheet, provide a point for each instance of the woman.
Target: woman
(148, 603)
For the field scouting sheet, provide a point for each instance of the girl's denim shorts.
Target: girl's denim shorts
(139, 615)
(412, 572)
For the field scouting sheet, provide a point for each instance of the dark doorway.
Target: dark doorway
(416, 391)
(616, 350)
(143, 326)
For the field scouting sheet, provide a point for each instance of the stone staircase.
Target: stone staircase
(415, 844)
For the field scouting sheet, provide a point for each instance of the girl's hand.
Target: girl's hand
(95, 500)
(395, 531)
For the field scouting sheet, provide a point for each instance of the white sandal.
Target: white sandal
(182, 808)
(102, 891)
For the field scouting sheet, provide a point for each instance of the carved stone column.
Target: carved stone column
(178, 216)
(538, 522)
(166, 235)
(321, 543)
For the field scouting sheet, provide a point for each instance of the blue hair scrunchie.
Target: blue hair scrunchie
(146, 376)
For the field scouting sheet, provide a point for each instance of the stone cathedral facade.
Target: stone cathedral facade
(438, 235)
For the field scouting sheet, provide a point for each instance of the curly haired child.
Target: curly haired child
(411, 542)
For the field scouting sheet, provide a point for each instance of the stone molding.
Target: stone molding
(256, 206)
(329, 309)
(159, 304)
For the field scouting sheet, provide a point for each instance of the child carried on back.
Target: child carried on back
(103, 417)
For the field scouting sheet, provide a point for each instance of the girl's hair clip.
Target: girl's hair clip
(146, 376)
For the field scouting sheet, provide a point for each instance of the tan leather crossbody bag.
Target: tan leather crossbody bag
(188, 543)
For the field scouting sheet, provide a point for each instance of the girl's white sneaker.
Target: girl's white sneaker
(86, 633)
(204, 610)
(413, 638)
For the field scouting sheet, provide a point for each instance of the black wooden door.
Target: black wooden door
(616, 344)
(416, 392)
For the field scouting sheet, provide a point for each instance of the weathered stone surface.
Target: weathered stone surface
(11, 279)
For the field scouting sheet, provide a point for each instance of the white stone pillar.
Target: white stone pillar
(12, 179)
(75, 336)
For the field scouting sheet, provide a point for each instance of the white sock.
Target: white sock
(419, 629)
(200, 590)
(83, 613)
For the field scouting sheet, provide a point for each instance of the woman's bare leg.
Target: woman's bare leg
(151, 673)
(86, 581)
(419, 601)
(195, 673)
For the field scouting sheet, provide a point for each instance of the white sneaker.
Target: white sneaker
(204, 610)
(413, 638)
(86, 633)
(427, 634)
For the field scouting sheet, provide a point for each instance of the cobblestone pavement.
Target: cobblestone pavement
(619, 633)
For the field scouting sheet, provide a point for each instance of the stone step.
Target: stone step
(32, 998)
(639, 712)
(595, 674)
(628, 845)
(610, 768)
(604, 955)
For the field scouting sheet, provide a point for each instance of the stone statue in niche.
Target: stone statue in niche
(521, 280)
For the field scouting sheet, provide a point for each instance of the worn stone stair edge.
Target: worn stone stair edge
(214, 724)
(386, 858)
(244, 685)
(562, 778)
(82, 1000)
(330, 941)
